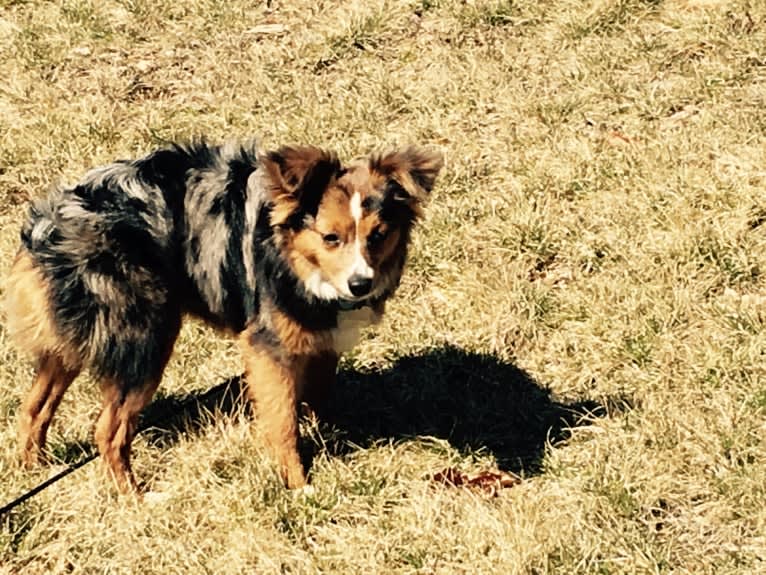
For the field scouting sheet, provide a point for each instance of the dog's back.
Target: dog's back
(111, 250)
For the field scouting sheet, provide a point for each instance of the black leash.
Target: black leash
(48, 482)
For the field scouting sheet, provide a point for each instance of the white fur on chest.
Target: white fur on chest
(350, 325)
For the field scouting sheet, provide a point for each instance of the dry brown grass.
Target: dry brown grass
(585, 303)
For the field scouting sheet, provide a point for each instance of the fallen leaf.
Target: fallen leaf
(450, 477)
(489, 482)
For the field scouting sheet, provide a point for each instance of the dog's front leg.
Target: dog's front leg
(272, 384)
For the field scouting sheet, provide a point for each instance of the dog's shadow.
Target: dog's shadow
(476, 402)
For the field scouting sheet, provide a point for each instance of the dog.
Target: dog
(290, 250)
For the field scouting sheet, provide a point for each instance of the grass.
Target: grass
(584, 306)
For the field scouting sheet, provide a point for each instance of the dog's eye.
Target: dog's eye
(331, 239)
(376, 236)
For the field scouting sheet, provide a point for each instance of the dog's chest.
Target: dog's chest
(350, 325)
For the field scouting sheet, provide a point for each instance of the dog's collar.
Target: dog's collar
(349, 304)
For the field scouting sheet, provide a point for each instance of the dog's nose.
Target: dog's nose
(359, 285)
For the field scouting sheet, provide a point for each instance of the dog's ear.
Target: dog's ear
(299, 176)
(410, 172)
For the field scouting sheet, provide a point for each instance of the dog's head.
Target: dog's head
(345, 230)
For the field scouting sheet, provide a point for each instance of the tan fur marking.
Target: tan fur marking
(28, 314)
(296, 340)
(115, 429)
(273, 388)
(40, 406)
(334, 215)
(283, 208)
(308, 246)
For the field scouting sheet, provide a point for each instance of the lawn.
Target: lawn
(584, 305)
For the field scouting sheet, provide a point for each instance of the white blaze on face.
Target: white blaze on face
(359, 267)
(356, 207)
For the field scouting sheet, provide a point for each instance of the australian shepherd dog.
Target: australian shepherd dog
(290, 250)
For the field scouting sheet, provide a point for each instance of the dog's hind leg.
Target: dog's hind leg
(116, 428)
(122, 404)
(30, 323)
(39, 406)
